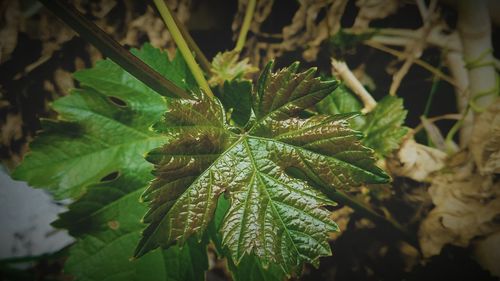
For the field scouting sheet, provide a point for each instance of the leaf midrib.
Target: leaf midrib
(254, 164)
(207, 170)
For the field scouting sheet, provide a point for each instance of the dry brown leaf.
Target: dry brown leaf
(11, 129)
(100, 9)
(253, 47)
(467, 205)
(262, 11)
(4, 103)
(416, 161)
(304, 33)
(487, 253)
(152, 26)
(341, 217)
(10, 17)
(485, 141)
(374, 9)
(50, 31)
(63, 80)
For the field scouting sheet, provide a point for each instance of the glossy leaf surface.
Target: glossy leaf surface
(273, 215)
(101, 128)
(95, 152)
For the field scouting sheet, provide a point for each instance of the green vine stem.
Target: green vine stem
(183, 47)
(246, 25)
(200, 56)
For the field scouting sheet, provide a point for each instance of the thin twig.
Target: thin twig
(247, 20)
(404, 37)
(454, 116)
(353, 83)
(415, 50)
(419, 62)
(200, 56)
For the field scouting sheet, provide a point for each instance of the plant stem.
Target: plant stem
(246, 25)
(474, 27)
(204, 62)
(417, 61)
(112, 49)
(456, 65)
(353, 83)
(434, 87)
(183, 47)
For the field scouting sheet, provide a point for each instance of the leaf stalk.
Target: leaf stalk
(167, 17)
(246, 25)
(202, 59)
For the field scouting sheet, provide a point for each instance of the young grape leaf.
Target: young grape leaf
(227, 67)
(236, 96)
(101, 128)
(273, 215)
(383, 126)
(249, 268)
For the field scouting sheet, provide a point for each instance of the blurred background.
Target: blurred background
(38, 54)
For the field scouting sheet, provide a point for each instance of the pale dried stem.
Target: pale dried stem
(341, 69)
(415, 49)
(422, 8)
(474, 26)
(456, 65)
(404, 37)
(419, 62)
(453, 116)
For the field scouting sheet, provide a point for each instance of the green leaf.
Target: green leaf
(227, 67)
(107, 257)
(249, 268)
(236, 96)
(339, 102)
(100, 129)
(274, 216)
(383, 127)
(97, 145)
(106, 220)
(344, 43)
